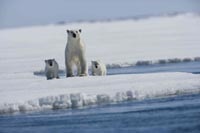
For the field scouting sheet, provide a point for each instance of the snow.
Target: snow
(39, 94)
(122, 42)
(118, 43)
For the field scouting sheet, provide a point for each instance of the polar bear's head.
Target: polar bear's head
(74, 34)
(50, 63)
(98, 68)
(95, 65)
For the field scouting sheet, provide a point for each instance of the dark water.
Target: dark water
(173, 114)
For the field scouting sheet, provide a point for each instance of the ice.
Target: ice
(159, 40)
(77, 100)
(153, 62)
(80, 92)
(121, 96)
(197, 59)
(142, 63)
(89, 99)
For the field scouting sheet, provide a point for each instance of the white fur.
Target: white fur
(75, 54)
(51, 71)
(98, 68)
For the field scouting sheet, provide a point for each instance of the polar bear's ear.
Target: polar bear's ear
(67, 31)
(80, 30)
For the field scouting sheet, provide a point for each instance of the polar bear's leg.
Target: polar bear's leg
(83, 65)
(49, 75)
(57, 76)
(69, 70)
(79, 69)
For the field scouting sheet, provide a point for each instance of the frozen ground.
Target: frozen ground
(123, 43)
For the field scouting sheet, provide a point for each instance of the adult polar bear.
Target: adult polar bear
(75, 54)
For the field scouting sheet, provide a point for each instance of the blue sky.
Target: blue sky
(17, 13)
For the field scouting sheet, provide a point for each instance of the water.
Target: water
(190, 67)
(172, 114)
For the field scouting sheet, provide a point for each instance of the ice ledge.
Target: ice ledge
(40, 94)
(77, 100)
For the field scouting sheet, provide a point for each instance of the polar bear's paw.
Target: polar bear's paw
(82, 75)
(69, 75)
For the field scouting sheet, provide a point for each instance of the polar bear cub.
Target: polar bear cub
(75, 54)
(51, 69)
(98, 68)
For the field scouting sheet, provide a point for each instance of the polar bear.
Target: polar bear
(51, 69)
(98, 68)
(75, 54)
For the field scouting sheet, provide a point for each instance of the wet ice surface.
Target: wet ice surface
(171, 114)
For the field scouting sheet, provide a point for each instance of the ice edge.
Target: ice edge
(153, 62)
(77, 100)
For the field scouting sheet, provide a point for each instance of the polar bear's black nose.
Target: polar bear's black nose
(50, 62)
(74, 35)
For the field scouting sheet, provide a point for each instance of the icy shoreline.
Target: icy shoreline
(78, 100)
(99, 90)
